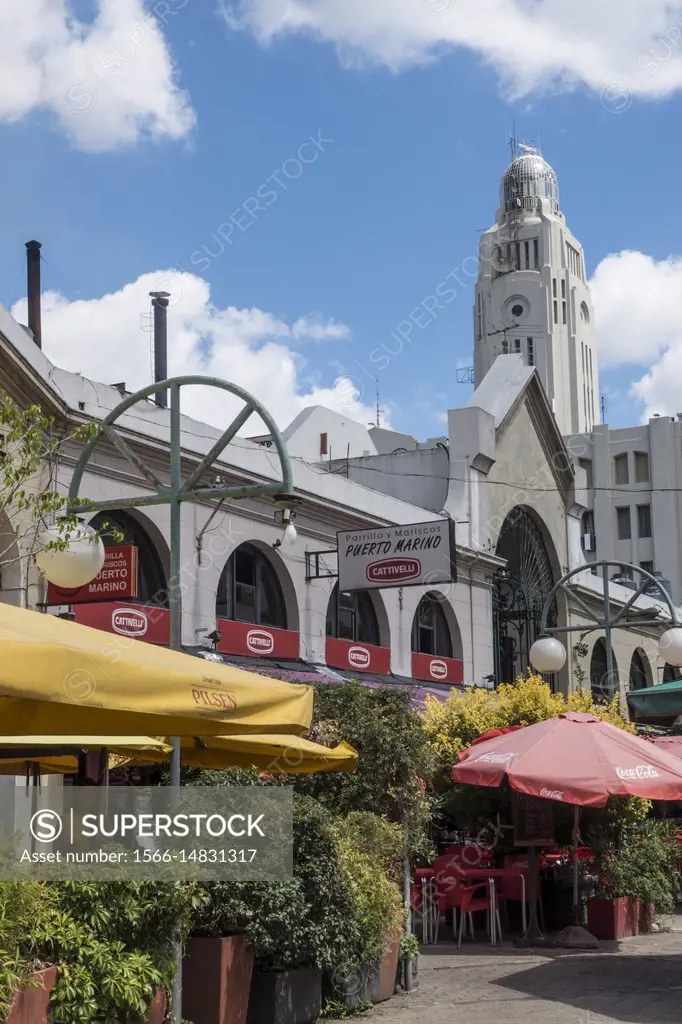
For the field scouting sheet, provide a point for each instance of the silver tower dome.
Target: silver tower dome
(528, 178)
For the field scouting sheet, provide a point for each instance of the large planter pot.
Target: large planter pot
(386, 975)
(157, 1011)
(352, 989)
(285, 997)
(647, 913)
(613, 918)
(31, 1005)
(216, 980)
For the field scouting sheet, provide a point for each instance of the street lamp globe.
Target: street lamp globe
(75, 565)
(670, 646)
(548, 654)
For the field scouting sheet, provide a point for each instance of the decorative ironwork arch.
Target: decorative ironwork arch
(520, 593)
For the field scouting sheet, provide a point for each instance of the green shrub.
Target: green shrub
(113, 943)
(394, 756)
(21, 911)
(306, 919)
(638, 859)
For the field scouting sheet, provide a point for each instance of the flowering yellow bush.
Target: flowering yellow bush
(452, 726)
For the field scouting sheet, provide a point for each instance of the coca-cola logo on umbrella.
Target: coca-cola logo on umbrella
(259, 641)
(552, 794)
(359, 657)
(495, 758)
(393, 570)
(641, 771)
(129, 622)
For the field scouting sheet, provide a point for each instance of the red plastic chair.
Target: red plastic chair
(467, 899)
(457, 895)
(511, 889)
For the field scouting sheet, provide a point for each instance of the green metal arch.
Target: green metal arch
(282, 490)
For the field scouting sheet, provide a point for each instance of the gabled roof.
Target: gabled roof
(507, 384)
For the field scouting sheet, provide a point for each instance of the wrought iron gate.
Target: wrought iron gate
(519, 594)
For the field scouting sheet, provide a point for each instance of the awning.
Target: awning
(657, 704)
(305, 672)
(57, 677)
(277, 755)
(59, 754)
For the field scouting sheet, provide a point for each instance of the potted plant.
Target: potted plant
(637, 869)
(216, 970)
(370, 848)
(30, 1003)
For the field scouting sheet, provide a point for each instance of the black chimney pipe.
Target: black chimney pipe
(33, 290)
(160, 307)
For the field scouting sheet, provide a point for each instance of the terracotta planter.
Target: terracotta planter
(31, 1005)
(613, 918)
(388, 970)
(647, 913)
(216, 980)
(157, 1011)
(285, 997)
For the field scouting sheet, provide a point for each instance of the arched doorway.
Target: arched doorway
(520, 593)
(430, 630)
(249, 590)
(351, 616)
(602, 685)
(153, 586)
(639, 676)
(670, 673)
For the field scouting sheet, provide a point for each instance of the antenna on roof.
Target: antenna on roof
(378, 405)
(512, 141)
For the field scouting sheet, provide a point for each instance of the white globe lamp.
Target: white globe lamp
(290, 533)
(548, 654)
(670, 646)
(78, 563)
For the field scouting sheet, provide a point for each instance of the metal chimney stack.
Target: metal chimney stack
(33, 290)
(160, 307)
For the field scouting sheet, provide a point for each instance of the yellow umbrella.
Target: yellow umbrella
(279, 755)
(36, 750)
(57, 675)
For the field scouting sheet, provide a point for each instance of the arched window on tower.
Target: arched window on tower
(351, 616)
(249, 590)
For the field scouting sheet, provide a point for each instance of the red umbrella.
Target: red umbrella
(575, 758)
(673, 744)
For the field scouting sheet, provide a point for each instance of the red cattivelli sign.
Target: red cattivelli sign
(133, 621)
(355, 657)
(258, 641)
(118, 581)
(393, 570)
(432, 669)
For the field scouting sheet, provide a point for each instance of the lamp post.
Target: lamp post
(548, 654)
(55, 563)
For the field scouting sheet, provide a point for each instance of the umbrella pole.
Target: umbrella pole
(175, 614)
(576, 840)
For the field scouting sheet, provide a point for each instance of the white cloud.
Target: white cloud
(107, 82)
(638, 315)
(105, 339)
(532, 44)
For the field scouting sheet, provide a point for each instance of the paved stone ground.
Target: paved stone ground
(637, 981)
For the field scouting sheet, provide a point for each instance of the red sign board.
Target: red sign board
(118, 580)
(133, 621)
(433, 669)
(258, 641)
(358, 657)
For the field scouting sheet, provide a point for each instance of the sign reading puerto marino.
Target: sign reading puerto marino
(420, 554)
(117, 581)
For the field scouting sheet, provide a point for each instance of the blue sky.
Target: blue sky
(407, 178)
